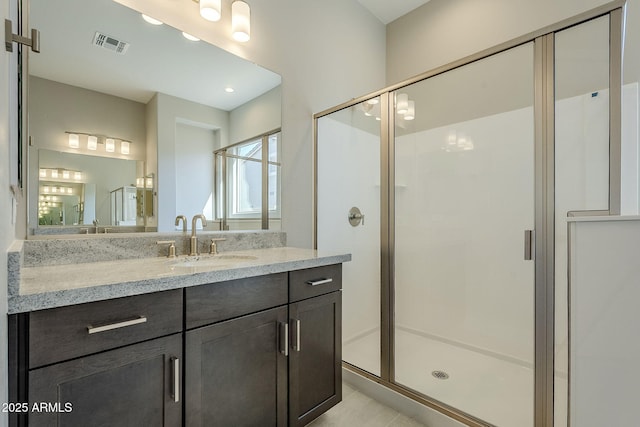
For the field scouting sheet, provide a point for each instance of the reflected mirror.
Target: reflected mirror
(125, 117)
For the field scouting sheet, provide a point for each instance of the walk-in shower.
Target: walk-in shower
(457, 291)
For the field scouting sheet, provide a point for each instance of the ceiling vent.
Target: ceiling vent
(110, 43)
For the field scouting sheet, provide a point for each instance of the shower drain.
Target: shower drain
(441, 375)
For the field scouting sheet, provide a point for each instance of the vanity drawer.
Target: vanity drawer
(64, 333)
(216, 302)
(315, 281)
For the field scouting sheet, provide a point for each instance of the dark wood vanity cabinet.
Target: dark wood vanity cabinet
(137, 385)
(236, 365)
(315, 371)
(108, 363)
(236, 374)
(260, 351)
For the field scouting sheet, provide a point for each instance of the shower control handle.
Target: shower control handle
(355, 217)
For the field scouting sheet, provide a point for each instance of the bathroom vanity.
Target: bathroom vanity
(250, 338)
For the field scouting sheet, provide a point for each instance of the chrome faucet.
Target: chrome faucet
(194, 239)
(184, 222)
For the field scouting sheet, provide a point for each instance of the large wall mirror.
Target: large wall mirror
(124, 118)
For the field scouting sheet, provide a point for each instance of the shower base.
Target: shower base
(494, 389)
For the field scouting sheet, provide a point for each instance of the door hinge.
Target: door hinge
(10, 37)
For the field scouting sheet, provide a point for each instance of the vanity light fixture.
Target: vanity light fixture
(411, 111)
(74, 140)
(43, 173)
(110, 145)
(151, 20)
(92, 142)
(402, 103)
(190, 37)
(54, 173)
(124, 147)
(77, 176)
(66, 174)
(210, 10)
(240, 21)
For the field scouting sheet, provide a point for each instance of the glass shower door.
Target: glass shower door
(348, 171)
(464, 200)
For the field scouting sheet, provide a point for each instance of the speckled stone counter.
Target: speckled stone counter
(47, 286)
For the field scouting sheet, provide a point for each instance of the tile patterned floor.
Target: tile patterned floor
(357, 409)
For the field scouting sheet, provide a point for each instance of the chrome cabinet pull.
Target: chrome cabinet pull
(296, 334)
(111, 326)
(175, 389)
(284, 338)
(319, 281)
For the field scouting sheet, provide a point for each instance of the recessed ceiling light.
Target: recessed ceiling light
(151, 20)
(190, 37)
(229, 89)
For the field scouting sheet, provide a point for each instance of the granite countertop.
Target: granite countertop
(49, 286)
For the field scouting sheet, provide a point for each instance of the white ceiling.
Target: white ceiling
(159, 58)
(390, 10)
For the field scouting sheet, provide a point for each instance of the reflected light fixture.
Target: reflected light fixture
(210, 10)
(402, 103)
(110, 145)
(240, 21)
(92, 142)
(411, 111)
(190, 37)
(151, 20)
(65, 174)
(124, 147)
(74, 140)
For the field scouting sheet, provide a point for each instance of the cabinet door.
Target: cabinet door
(236, 373)
(136, 385)
(315, 375)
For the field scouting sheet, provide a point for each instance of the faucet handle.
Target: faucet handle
(213, 249)
(172, 247)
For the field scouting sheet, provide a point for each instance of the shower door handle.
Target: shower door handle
(528, 245)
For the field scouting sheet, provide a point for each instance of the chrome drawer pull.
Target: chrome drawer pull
(319, 282)
(117, 325)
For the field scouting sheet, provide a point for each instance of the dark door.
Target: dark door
(236, 374)
(315, 376)
(136, 385)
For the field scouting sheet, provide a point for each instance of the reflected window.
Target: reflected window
(242, 178)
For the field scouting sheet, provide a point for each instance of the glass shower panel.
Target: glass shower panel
(348, 159)
(581, 160)
(464, 197)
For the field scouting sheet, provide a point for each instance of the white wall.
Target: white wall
(170, 112)
(442, 31)
(326, 52)
(260, 115)
(8, 162)
(194, 166)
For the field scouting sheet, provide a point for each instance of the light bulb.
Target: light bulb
(92, 142)
(240, 21)
(210, 10)
(74, 140)
(110, 145)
